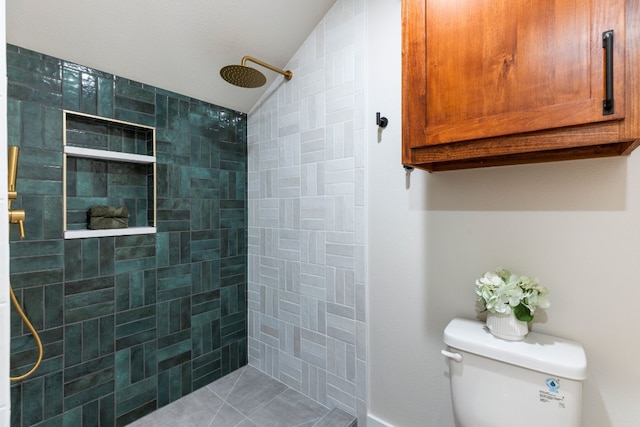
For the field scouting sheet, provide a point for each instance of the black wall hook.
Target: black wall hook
(381, 121)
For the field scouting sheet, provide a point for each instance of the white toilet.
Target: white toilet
(497, 383)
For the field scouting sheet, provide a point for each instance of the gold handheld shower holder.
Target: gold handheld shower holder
(16, 216)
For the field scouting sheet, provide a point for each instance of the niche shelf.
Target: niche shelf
(107, 162)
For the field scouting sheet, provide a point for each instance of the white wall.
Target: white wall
(575, 225)
(306, 282)
(4, 234)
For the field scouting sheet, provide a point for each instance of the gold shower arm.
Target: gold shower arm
(287, 74)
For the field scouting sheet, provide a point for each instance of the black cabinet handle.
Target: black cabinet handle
(607, 44)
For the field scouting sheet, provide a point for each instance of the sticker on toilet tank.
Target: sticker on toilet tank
(552, 392)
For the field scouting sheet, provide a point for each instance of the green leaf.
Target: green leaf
(522, 313)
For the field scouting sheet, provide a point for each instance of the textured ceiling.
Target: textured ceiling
(175, 45)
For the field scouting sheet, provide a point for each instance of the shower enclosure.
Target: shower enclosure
(134, 322)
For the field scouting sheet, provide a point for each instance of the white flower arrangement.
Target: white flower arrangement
(503, 291)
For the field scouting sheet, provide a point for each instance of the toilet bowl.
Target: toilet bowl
(498, 383)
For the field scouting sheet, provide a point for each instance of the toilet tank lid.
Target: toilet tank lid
(539, 352)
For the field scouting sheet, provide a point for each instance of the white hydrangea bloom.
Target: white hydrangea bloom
(501, 292)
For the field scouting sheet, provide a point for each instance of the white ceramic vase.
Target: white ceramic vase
(507, 326)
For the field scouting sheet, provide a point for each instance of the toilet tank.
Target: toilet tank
(496, 383)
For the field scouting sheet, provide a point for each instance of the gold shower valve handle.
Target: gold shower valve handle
(16, 216)
(21, 228)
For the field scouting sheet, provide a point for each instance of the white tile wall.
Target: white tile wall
(4, 236)
(307, 290)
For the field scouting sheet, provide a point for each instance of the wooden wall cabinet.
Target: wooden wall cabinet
(488, 82)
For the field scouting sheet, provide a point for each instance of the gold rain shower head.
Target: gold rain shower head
(243, 76)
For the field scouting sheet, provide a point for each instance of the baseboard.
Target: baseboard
(373, 421)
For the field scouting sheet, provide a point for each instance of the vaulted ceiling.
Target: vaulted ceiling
(175, 45)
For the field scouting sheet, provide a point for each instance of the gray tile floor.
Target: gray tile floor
(246, 398)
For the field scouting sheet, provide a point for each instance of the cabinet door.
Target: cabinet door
(483, 68)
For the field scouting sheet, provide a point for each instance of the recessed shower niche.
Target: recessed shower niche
(107, 162)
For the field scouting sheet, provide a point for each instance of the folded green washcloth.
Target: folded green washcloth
(105, 217)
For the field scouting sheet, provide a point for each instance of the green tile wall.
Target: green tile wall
(130, 323)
